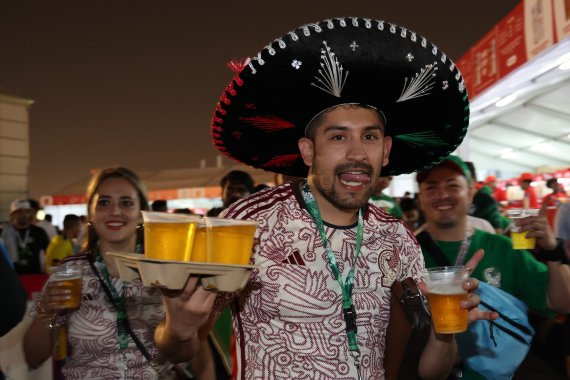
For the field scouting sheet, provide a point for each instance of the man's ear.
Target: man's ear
(307, 149)
(387, 147)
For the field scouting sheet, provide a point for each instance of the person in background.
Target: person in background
(557, 196)
(383, 201)
(412, 213)
(25, 242)
(235, 185)
(280, 179)
(62, 246)
(184, 210)
(98, 347)
(445, 197)
(530, 199)
(47, 226)
(82, 232)
(261, 186)
(484, 206)
(563, 233)
(159, 205)
(13, 297)
(498, 193)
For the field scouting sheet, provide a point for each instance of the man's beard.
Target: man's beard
(328, 190)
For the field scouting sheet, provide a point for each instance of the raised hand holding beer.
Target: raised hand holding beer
(63, 290)
(469, 300)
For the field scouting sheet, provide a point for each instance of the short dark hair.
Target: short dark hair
(159, 205)
(551, 182)
(408, 204)
(34, 204)
(70, 220)
(240, 177)
(471, 167)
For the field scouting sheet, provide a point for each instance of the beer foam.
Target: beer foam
(165, 217)
(222, 222)
(447, 289)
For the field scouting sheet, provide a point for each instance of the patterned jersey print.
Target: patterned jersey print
(289, 322)
(92, 331)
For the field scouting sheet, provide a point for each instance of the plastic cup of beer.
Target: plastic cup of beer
(518, 237)
(69, 276)
(224, 241)
(445, 287)
(169, 236)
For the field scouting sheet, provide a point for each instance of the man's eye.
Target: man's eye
(337, 138)
(370, 136)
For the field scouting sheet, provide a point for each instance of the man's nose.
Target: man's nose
(356, 151)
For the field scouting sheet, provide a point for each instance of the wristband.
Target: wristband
(556, 254)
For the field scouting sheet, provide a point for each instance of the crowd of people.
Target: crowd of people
(329, 243)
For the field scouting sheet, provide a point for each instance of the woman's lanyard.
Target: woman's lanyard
(346, 287)
(119, 302)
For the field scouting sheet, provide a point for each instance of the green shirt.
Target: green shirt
(515, 271)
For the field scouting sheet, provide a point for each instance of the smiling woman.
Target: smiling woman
(101, 331)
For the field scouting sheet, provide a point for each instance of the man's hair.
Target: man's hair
(159, 205)
(550, 183)
(240, 177)
(318, 119)
(471, 168)
(408, 204)
(70, 220)
(35, 205)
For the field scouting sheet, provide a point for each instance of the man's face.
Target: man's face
(381, 183)
(346, 156)
(233, 191)
(445, 197)
(411, 216)
(21, 218)
(525, 184)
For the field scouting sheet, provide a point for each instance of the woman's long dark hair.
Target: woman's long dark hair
(91, 239)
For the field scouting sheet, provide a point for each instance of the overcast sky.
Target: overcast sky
(135, 82)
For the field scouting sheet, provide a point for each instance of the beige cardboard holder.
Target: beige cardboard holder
(174, 274)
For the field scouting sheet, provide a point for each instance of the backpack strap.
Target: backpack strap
(430, 247)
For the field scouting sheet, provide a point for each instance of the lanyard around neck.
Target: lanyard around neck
(118, 301)
(346, 287)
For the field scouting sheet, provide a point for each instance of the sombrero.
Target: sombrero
(266, 107)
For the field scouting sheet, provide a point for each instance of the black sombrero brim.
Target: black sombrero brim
(267, 106)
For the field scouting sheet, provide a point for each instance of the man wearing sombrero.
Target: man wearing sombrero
(336, 102)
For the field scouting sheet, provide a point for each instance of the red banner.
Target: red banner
(527, 31)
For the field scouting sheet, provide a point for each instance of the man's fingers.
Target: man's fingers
(186, 292)
(470, 284)
(478, 314)
(474, 260)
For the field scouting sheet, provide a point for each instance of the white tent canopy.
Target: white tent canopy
(532, 133)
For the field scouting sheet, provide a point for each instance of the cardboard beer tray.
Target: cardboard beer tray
(174, 274)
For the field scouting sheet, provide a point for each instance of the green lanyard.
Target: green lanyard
(119, 302)
(346, 287)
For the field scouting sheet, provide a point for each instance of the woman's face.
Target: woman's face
(115, 212)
